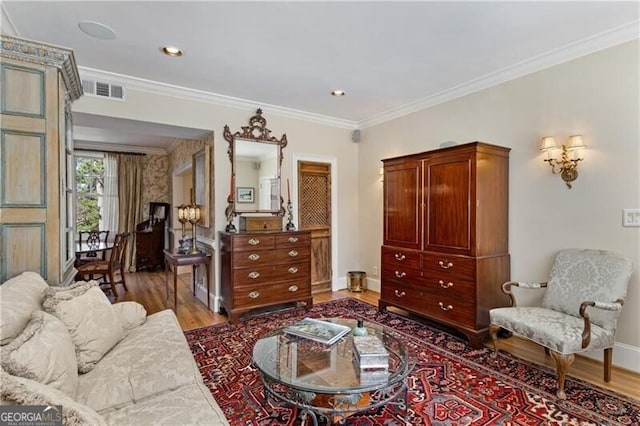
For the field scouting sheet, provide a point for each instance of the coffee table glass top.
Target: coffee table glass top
(315, 367)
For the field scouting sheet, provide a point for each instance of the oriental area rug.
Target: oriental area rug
(451, 383)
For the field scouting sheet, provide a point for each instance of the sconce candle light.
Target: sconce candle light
(567, 165)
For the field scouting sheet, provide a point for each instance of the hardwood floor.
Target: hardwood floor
(148, 289)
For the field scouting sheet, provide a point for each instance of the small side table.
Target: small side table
(173, 259)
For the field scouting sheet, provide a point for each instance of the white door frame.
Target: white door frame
(334, 203)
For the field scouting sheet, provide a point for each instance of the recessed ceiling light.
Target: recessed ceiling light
(338, 93)
(171, 50)
(97, 30)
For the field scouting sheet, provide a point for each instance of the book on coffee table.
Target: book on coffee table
(321, 331)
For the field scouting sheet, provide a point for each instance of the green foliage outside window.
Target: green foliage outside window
(89, 190)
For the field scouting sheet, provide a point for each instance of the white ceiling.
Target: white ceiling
(390, 57)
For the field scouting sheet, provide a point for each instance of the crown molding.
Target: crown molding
(586, 46)
(149, 86)
(100, 146)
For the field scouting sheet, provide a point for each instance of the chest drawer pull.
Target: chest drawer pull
(253, 275)
(293, 239)
(254, 241)
(400, 274)
(254, 256)
(293, 270)
(400, 293)
(400, 256)
(293, 288)
(254, 294)
(293, 253)
(445, 308)
(445, 264)
(445, 285)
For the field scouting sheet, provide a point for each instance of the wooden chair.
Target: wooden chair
(108, 268)
(575, 311)
(92, 238)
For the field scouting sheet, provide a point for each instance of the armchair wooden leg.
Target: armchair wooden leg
(562, 365)
(493, 332)
(608, 358)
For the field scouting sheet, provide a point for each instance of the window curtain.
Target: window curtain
(130, 201)
(109, 219)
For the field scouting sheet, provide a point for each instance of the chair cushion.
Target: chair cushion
(19, 298)
(95, 267)
(587, 275)
(91, 320)
(43, 352)
(552, 329)
(21, 391)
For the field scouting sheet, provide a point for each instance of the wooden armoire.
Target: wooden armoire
(445, 250)
(38, 82)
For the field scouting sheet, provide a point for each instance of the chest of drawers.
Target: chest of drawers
(263, 269)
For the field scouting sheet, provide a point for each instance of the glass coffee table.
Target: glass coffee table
(326, 382)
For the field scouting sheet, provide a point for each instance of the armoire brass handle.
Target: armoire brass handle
(254, 294)
(445, 308)
(445, 285)
(253, 275)
(400, 274)
(293, 239)
(293, 288)
(293, 253)
(293, 270)
(445, 264)
(400, 293)
(254, 256)
(400, 256)
(254, 241)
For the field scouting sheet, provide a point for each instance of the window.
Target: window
(89, 192)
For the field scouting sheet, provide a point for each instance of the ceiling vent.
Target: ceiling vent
(103, 89)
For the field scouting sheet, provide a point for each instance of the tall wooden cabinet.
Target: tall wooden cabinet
(38, 82)
(445, 249)
(261, 269)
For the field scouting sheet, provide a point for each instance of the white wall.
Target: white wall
(596, 96)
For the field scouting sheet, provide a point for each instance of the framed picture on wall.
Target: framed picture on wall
(245, 194)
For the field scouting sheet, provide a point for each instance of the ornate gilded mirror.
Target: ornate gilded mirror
(255, 157)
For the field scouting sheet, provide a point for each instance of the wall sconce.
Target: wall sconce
(567, 165)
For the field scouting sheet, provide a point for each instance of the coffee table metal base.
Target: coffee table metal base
(336, 408)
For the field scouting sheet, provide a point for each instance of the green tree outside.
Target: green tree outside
(89, 190)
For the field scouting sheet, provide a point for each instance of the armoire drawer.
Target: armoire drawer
(451, 287)
(445, 265)
(400, 273)
(245, 296)
(400, 257)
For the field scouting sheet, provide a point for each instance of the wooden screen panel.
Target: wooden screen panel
(22, 91)
(22, 248)
(22, 181)
(314, 194)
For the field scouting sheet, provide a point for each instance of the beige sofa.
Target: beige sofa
(104, 363)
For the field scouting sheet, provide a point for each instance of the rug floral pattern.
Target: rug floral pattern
(451, 384)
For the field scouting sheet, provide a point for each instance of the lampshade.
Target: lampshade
(182, 213)
(193, 213)
(548, 143)
(575, 142)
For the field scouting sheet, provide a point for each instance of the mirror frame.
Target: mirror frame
(258, 132)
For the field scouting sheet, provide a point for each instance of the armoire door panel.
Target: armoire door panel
(402, 206)
(448, 192)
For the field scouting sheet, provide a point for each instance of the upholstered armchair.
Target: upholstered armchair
(575, 311)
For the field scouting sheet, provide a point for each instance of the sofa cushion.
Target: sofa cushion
(43, 352)
(21, 391)
(89, 317)
(130, 314)
(187, 405)
(19, 298)
(151, 359)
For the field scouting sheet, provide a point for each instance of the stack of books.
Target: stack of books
(372, 358)
(320, 331)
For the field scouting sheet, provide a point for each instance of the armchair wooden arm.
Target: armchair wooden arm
(586, 332)
(506, 289)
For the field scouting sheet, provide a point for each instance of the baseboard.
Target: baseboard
(624, 356)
